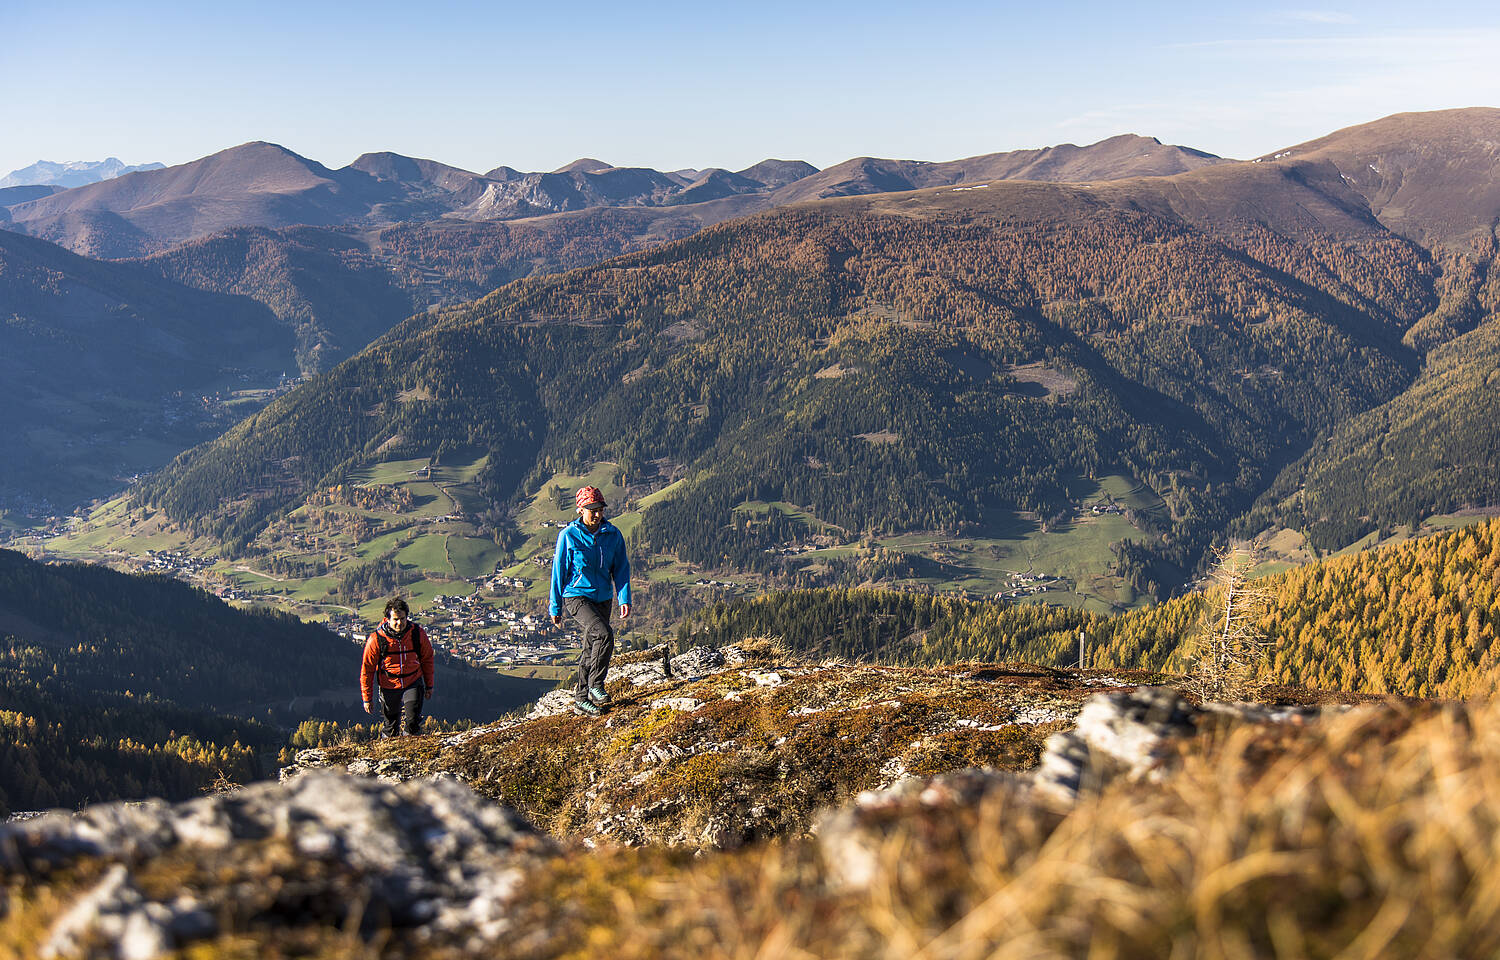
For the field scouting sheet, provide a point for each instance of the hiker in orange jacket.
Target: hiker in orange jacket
(398, 656)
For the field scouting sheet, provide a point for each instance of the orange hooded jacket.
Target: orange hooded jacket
(407, 656)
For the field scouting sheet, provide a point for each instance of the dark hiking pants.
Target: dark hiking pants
(598, 641)
(402, 710)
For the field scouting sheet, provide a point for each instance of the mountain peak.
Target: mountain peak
(778, 173)
(385, 165)
(585, 165)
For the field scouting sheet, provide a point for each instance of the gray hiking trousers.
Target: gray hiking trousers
(402, 710)
(592, 617)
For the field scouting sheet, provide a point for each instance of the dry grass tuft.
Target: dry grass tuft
(1375, 836)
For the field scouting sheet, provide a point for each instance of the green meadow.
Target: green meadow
(444, 556)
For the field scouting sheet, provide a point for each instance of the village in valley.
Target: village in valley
(480, 628)
(476, 629)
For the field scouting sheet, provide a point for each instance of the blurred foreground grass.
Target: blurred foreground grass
(1374, 836)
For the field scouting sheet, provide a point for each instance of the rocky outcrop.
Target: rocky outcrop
(719, 748)
(325, 849)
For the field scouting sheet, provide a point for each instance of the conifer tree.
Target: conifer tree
(1230, 649)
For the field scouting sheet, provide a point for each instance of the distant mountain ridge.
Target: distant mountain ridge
(75, 173)
(10, 196)
(1120, 157)
(265, 185)
(257, 185)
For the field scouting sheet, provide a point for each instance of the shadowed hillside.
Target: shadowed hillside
(324, 285)
(120, 686)
(107, 363)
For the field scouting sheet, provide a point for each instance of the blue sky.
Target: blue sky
(675, 85)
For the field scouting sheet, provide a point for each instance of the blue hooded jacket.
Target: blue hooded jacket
(589, 565)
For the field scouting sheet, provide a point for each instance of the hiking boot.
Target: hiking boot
(587, 708)
(599, 695)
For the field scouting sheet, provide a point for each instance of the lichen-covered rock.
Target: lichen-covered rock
(552, 704)
(425, 853)
(693, 664)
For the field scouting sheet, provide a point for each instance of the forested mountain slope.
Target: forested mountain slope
(1430, 450)
(1427, 176)
(324, 285)
(1434, 449)
(1418, 618)
(962, 352)
(113, 685)
(895, 627)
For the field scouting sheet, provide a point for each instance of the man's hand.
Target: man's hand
(557, 619)
(624, 611)
(428, 694)
(369, 708)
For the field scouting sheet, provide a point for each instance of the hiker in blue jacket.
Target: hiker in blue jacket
(588, 570)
